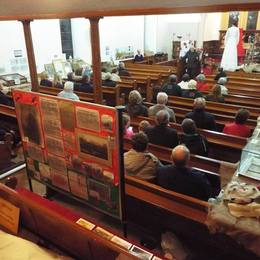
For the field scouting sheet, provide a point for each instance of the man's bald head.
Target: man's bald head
(180, 155)
(162, 118)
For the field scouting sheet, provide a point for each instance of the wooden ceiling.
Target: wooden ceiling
(42, 9)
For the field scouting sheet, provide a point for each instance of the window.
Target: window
(252, 20)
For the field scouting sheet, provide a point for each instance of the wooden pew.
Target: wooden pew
(223, 147)
(7, 111)
(39, 216)
(223, 108)
(145, 67)
(239, 79)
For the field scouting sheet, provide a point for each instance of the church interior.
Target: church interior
(130, 130)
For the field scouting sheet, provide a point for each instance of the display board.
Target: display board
(72, 147)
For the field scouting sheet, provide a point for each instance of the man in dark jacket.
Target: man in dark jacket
(122, 71)
(162, 134)
(201, 118)
(183, 179)
(171, 88)
(193, 62)
(85, 85)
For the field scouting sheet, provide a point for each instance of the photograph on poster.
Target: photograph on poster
(60, 179)
(54, 145)
(140, 253)
(57, 163)
(95, 148)
(99, 191)
(67, 115)
(94, 171)
(30, 164)
(51, 127)
(35, 152)
(78, 190)
(30, 123)
(49, 108)
(87, 119)
(45, 171)
(107, 123)
(69, 141)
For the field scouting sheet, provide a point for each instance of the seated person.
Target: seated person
(171, 88)
(179, 177)
(122, 71)
(192, 91)
(85, 85)
(67, 91)
(57, 81)
(143, 125)
(238, 127)
(135, 105)
(196, 143)
(202, 118)
(106, 80)
(44, 80)
(4, 99)
(114, 75)
(138, 56)
(128, 130)
(222, 82)
(221, 74)
(185, 80)
(138, 161)
(162, 99)
(201, 84)
(215, 95)
(161, 133)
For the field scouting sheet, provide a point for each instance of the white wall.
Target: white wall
(212, 26)
(12, 38)
(80, 29)
(121, 32)
(150, 32)
(169, 26)
(46, 41)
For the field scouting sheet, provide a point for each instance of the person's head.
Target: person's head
(104, 69)
(126, 121)
(135, 97)
(68, 86)
(106, 76)
(185, 77)
(185, 44)
(114, 71)
(138, 52)
(162, 118)
(201, 78)
(121, 65)
(78, 71)
(44, 75)
(85, 79)
(188, 126)
(70, 76)
(241, 116)
(192, 49)
(235, 23)
(222, 81)
(172, 79)
(216, 91)
(139, 142)
(220, 69)
(162, 98)
(180, 156)
(143, 125)
(192, 84)
(199, 103)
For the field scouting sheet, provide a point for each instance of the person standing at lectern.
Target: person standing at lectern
(192, 59)
(229, 58)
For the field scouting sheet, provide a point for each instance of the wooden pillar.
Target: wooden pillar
(30, 54)
(96, 60)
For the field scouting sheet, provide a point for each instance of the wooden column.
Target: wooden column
(96, 60)
(30, 54)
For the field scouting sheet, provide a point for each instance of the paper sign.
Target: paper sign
(9, 216)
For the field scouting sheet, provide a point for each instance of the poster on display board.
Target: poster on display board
(73, 147)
